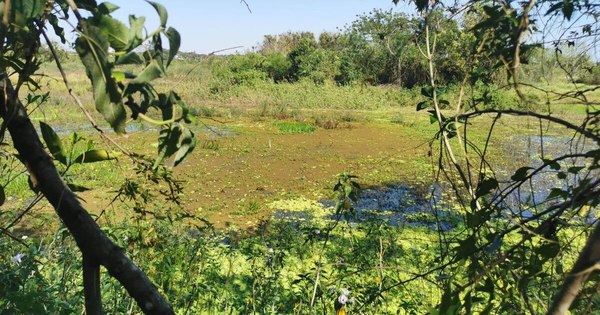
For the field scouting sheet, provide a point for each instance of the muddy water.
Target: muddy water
(531, 151)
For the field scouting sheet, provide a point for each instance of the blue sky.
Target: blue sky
(210, 25)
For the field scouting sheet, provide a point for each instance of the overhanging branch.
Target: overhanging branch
(95, 246)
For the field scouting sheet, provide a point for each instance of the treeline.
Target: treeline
(384, 47)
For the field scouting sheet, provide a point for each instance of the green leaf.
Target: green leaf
(433, 118)
(115, 31)
(486, 186)
(162, 12)
(53, 143)
(129, 58)
(174, 43)
(107, 8)
(96, 156)
(421, 4)
(77, 188)
(557, 192)
(151, 72)
(521, 173)
(136, 30)
(89, 5)
(92, 48)
(427, 91)
(58, 30)
(27, 9)
(186, 146)
(168, 141)
(422, 105)
(553, 164)
(567, 9)
(119, 76)
(575, 169)
(548, 250)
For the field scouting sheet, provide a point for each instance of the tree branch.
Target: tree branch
(91, 287)
(586, 133)
(588, 258)
(92, 242)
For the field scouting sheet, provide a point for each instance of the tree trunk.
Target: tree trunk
(92, 242)
(91, 287)
(586, 263)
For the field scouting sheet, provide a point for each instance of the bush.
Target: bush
(591, 75)
(276, 66)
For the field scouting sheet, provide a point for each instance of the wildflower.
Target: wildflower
(270, 251)
(342, 299)
(24, 237)
(317, 232)
(345, 291)
(18, 258)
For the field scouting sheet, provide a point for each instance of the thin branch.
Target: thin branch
(589, 257)
(588, 134)
(247, 5)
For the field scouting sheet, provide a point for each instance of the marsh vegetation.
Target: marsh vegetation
(313, 177)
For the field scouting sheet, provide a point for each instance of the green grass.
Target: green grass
(294, 127)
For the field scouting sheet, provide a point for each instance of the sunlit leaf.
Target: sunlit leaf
(96, 156)
(92, 48)
(151, 72)
(115, 31)
(174, 43)
(77, 188)
(53, 143)
(162, 12)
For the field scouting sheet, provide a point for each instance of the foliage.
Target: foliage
(517, 240)
(121, 62)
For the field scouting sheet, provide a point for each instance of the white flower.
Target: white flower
(317, 232)
(270, 251)
(24, 237)
(342, 299)
(18, 258)
(351, 300)
(345, 291)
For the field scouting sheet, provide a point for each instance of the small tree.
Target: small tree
(511, 254)
(104, 45)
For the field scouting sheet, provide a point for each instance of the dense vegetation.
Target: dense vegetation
(491, 217)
